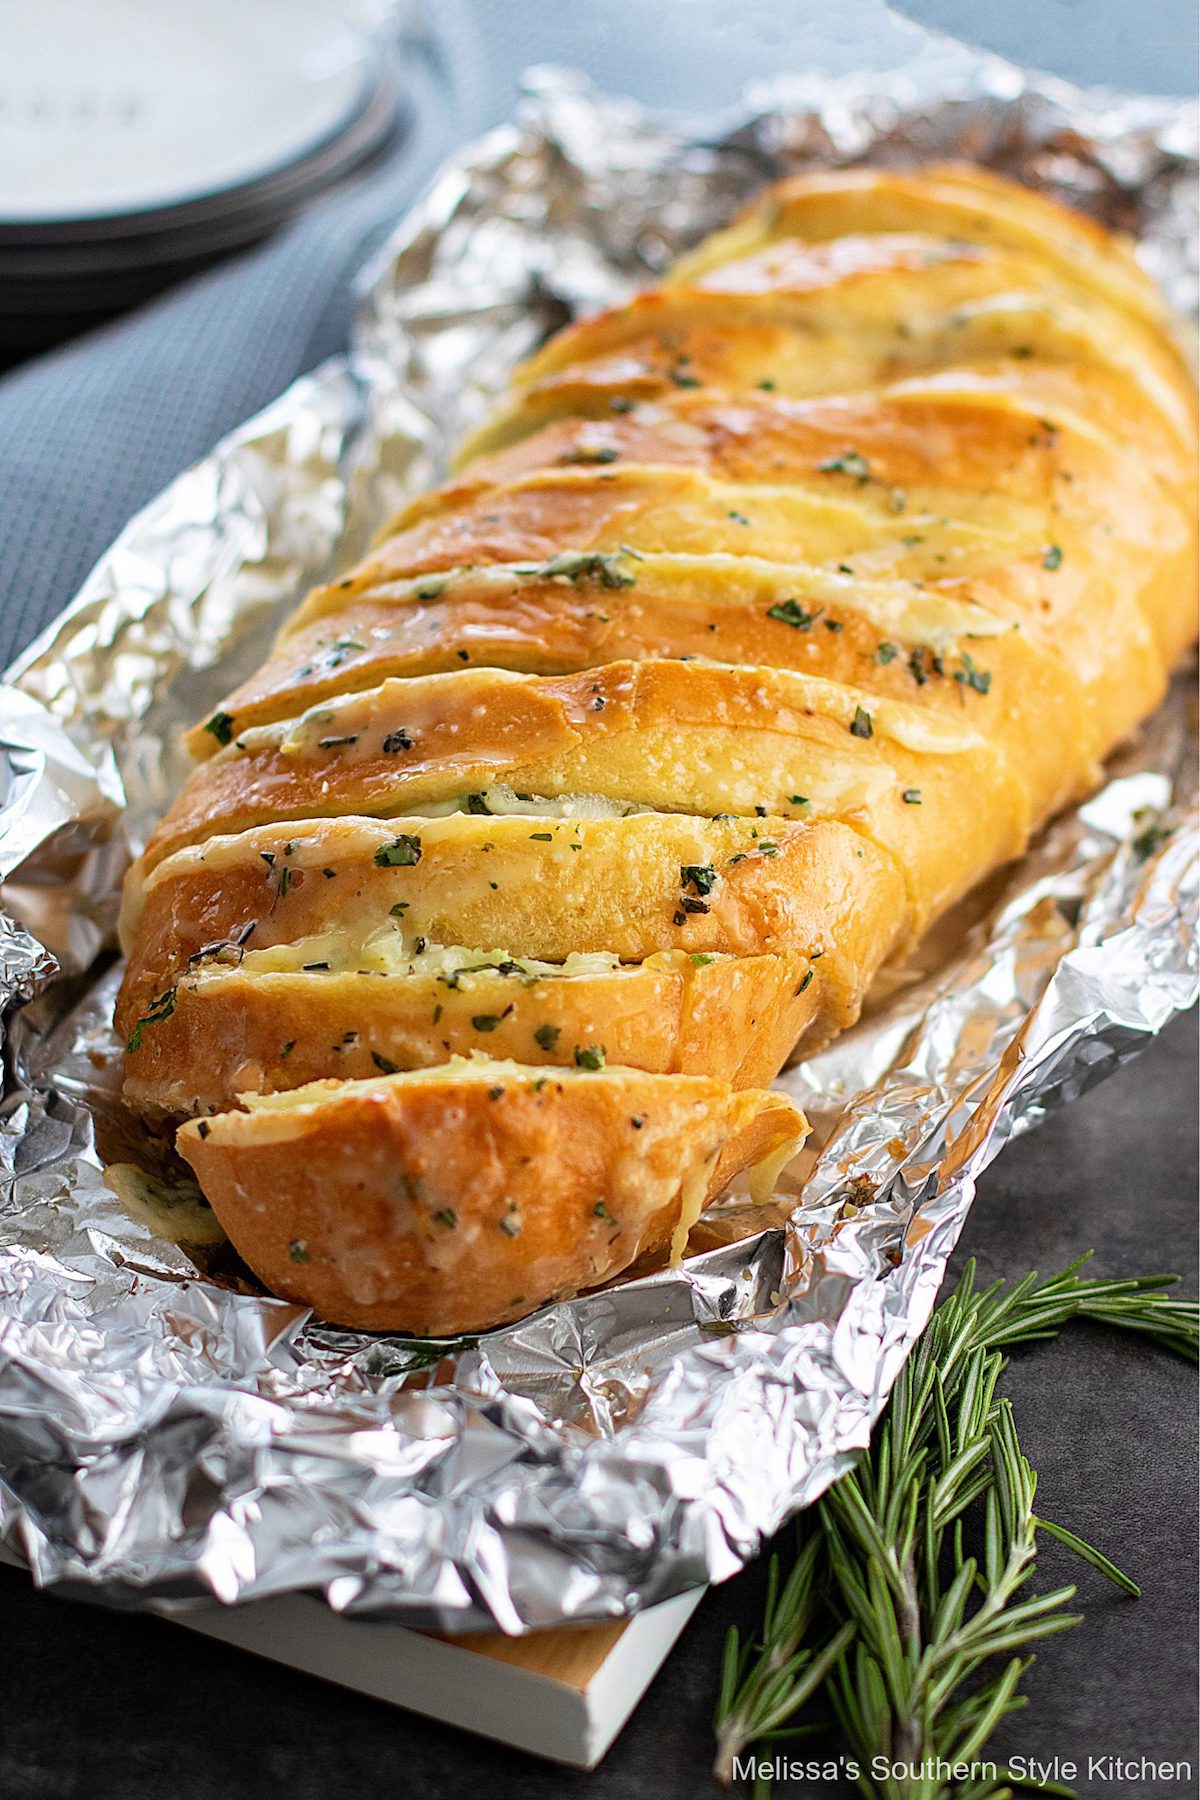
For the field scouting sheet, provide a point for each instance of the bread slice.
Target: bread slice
(461, 1196)
(704, 738)
(538, 888)
(285, 1017)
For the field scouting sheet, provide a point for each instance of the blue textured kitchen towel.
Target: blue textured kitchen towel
(92, 432)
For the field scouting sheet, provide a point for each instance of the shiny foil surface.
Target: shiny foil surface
(168, 1433)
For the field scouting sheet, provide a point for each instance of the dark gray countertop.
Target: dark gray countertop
(104, 1706)
(101, 1706)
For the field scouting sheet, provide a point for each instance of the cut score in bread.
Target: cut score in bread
(702, 739)
(366, 895)
(771, 612)
(276, 1019)
(472, 1192)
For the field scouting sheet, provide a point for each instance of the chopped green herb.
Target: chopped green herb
(860, 725)
(590, 1056)
(591, 565)
(702, 958)
(546, 1036)
(384, 1064)
(340, 650)
(225, 950)
(922, 663)
(159, 1009)
(286, 1049)
(700, 876)
(790, 612)
(798, 800)
(332, 743)
(973, 677)
(803, 984)
(397, 740)
(1052, 556)
(221, 726)
(911, 796)
(886, 653)
(851, 463)
(298, 1250)
(446, 1216)
(401, 853)
(739, 518)
(541, 837)
(398, 911)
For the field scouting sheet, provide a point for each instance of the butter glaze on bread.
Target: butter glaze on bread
(436, 1196)
(768, 614)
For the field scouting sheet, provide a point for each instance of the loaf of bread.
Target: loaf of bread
(769, 613)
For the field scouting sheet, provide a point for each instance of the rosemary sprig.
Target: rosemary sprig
(885, 1616)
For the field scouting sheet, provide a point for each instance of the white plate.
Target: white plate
(109, 107)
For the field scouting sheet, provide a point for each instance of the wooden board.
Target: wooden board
(561, 1694)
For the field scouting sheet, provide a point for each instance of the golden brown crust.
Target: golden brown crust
(874, 527)
(927, 446)
(708, 739)
(618, 887)
(956, 202)
(442, 1205)
(233, 1030)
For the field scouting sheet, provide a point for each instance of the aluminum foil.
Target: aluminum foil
(167, 1432)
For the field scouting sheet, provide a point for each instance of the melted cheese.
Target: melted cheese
(390, 950)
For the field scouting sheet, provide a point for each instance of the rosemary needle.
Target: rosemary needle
(915, 1647)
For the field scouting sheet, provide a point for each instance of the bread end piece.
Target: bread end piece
(452, 1199)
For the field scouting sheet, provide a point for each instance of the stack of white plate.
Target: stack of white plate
(142, 139)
